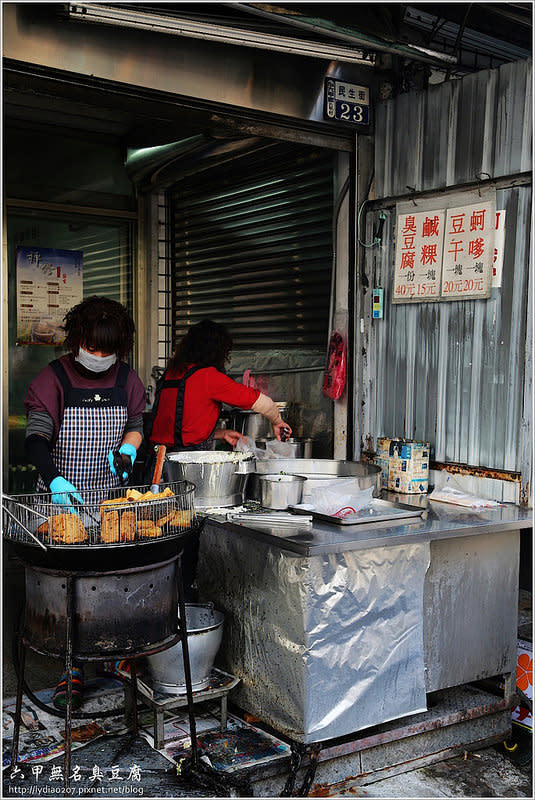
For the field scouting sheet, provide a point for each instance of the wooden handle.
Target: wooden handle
(160, 458)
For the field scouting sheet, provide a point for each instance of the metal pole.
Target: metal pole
(18, 706)
(68, 671)
(187, 670)
(133, 689)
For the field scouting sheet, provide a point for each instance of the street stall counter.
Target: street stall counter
(335, 629)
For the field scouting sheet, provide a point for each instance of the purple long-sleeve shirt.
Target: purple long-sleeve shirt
(45, 392)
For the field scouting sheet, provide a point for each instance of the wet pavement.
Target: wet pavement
(125, 766)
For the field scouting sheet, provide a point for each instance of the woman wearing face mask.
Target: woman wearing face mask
(81, 409)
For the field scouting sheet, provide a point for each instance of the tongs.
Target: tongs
(278, 519)
(156, 478)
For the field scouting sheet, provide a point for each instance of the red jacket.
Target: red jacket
(205, 391)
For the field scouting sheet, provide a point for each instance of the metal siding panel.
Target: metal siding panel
(517, 335)
(471, 103)
(405, 167)
(382, 147)
(438, 102)
(510, 109)
(453, 373)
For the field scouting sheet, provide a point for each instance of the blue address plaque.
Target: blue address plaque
(346, 102)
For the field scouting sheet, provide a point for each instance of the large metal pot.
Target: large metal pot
(252, 424)
(220, 478)
(165, 670)
(316, 468)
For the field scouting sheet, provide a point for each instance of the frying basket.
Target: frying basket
(31, 517)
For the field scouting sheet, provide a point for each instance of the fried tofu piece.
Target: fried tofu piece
(177, 519)
(128, 526)
(64, 529)
(109, 526)
(148, 529)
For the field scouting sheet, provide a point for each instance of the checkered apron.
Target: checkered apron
(93, 423)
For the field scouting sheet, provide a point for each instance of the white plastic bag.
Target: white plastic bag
(449, 489)
(339, 497)
(248, 445)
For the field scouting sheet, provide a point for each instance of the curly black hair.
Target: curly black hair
(101, 324)
(207, 343)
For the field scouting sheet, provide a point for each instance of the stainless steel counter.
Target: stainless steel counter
(439, 521)
(335, 628)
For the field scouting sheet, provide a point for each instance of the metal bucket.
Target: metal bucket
(220, 478)
(165, 670)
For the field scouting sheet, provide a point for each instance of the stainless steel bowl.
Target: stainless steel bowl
(165, 670)
(220, 478)
(280, 491)
(319, 468)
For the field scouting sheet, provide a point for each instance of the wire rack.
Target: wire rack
(115, 517)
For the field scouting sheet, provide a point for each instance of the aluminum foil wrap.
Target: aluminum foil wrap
(324, 645)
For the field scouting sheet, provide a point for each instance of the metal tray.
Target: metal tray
(377, 511)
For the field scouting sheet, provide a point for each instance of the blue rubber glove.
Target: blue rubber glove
(64, 492)
(126, 449)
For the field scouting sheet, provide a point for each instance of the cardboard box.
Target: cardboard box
(404, 465)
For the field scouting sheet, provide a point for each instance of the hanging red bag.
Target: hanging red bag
(334, 380)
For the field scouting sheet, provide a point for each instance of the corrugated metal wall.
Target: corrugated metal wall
(452, 373)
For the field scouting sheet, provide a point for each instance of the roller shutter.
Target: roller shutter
(251, 247)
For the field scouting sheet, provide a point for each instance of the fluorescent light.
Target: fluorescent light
(176, 26)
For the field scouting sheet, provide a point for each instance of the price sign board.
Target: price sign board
(346, 102)
(49, 283)
(468, 252)
(418, 264)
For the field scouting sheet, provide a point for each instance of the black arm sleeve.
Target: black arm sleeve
(38, 453)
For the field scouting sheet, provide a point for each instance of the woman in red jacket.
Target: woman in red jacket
(194, 386)
(188, 404)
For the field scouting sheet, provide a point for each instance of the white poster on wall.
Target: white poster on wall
(49, 283)
(468, 252)
(418, 263)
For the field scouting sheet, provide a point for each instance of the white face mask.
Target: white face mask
(95, 363)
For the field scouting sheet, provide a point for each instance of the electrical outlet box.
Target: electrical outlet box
(377, 304)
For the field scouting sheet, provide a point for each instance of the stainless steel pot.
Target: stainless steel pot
(293, 447)
(319, 468)
(165, 670)
(252, 424)
(280, 491)
(220, 478)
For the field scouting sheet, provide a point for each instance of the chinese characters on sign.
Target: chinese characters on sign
(418, 261)
(49, 283)
(446, 254)
(55, 773)
(468, 252)
(347, 102)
